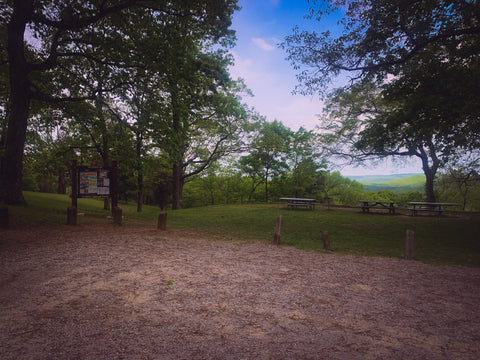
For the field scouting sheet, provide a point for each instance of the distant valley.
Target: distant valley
(398, 183)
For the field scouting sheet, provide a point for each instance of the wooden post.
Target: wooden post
(409, 245)
(162, 221)
(72, 215)
(278, 231)
(326, 241)
(4, 222)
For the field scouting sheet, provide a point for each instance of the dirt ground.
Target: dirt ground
(132, 292)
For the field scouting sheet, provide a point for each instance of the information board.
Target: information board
(93, 182)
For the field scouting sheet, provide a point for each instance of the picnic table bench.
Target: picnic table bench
(299, 202)
(429, 206)
(366, 205)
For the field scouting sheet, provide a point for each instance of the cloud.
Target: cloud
(262, 44)
(272, 94)
(242, 68)
(295, 111)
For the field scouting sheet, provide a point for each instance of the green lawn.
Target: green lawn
(440, 240)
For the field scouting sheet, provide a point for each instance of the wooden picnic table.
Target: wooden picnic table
(429, 206)
(368, 204)
(299, 202)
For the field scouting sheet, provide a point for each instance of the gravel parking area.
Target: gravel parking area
(133, 292)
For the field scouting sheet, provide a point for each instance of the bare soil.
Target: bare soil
(133, 292)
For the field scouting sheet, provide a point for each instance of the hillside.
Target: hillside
(398, 183)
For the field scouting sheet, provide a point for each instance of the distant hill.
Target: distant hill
(398, 183)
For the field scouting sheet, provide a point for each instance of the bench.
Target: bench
(430, 207)
(382, 205)
(299, 202)
(296, 204)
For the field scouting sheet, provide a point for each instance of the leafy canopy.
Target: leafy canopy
(379, 38)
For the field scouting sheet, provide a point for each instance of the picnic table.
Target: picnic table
(299, 202)
(429, 206)
(368, 204)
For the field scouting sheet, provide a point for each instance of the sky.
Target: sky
(261, 25)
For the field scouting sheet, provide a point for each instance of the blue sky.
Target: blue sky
(260, 26)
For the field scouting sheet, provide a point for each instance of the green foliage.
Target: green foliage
(461, 186)
(268, 156)
(378, 38)
(343, 190)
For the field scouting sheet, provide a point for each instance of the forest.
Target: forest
(146, 83)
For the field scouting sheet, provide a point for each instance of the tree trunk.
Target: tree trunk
(12, 163)
(140, 191)
(266, 186)
(266, 190)
(429, 170)
(105, 159)
(177, 186)
(252, 190)
(212, 196)
(62, 183)
(139, 141)
(177, 156)
(429, 184)
(105, 152)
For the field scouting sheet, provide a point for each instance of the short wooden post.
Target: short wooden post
(326, 241)
(117, 215)
(278, 231)
(72, 215)
(409, 245)
(4, 222)
(162, 221)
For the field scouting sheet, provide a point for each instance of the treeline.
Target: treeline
(275, 162)
(229, 186)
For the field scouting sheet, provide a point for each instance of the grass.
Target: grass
(438, 240)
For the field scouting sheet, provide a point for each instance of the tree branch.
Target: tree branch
(416, 49)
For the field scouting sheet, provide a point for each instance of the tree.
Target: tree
(329, 181)
(205, 119)
(48, 153)
(418, 59)
(461, 183)
(204, 136)
(139, 109)
(67, 34)
(305, 162)
(268, 157)
(251, 166)
(361, 125)
(343, 190)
